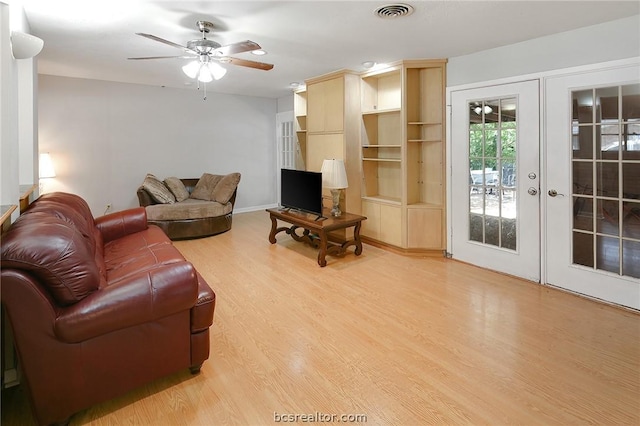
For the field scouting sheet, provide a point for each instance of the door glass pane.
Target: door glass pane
(631, 122)
(630, 264)
(631, 141)
(583, 142)
(607, 102)
(606, 179)
(608, 252)
(631, 103)
(607, 217)
(631, 221)
(583, 177)
(583, 213)
(583, 106)
(493, 137)
(583, 249)
(608, 141)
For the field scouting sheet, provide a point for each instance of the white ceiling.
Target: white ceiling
(91, 39)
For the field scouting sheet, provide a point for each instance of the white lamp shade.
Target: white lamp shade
(217, 70)
(204, 71)
(334, 175)
(46, 166)
(205, 74)
(191, 69)
(25, 46)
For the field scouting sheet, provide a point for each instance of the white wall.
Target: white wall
(285, 103)
(104, 137)
(609, 41)
(9, 149)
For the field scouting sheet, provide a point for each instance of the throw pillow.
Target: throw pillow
(225, 188)
(177, 188)
(205, 186)
(157, 190)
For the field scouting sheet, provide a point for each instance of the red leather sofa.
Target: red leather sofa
(98, 306)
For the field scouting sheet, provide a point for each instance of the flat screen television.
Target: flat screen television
(301, 190)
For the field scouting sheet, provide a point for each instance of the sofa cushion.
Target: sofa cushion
(55, 253)
(177, 188)
(226, 187)
(157, 190)
(205, 187)
(74, 201)
(187, 209)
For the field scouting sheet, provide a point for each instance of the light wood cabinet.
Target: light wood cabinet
(382, 136)
(388, 127)
(403, 153)
(325, 105)
(384, 222)
(333, 111)
(300, 113)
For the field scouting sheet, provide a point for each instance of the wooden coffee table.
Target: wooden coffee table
(315, 230)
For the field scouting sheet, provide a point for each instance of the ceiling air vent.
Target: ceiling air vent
(393, 10)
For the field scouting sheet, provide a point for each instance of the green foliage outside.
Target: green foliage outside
(486, 149)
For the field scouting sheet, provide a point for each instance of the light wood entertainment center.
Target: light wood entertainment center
(388, 126)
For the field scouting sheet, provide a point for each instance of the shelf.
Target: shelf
(381, 111)
(422, 123)
(424, 205)
(423, 140)
(388, 160)
(382, 146)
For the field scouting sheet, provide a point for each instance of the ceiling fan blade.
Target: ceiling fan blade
(243, 46)
(247, 63)
(165, 57)
(161, 40)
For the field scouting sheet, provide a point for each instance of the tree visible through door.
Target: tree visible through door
(492, 172)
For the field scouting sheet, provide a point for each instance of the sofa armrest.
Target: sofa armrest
(117, 225)
(142, 298)
(144, 198)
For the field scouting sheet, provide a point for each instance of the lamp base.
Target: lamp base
(335, 210)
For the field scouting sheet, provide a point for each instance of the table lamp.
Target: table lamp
(334, 177)
(46, 166)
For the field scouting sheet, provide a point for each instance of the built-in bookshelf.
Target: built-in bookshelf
(300, 113)
(402, 145)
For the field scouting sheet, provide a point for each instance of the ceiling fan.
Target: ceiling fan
(207, 55)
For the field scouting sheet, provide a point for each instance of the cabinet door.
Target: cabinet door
(334, 105)
(371, 226)
(424, 228)
(391, 224)
(384, 222)
(315, 107)
(321, 147)
(325, 106)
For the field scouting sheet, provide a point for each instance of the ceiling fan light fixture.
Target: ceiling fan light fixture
(258, 52)
(487, 109)
(216, 70)
(205, 75)
(191, 69)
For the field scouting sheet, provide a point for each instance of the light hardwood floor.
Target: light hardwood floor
(400, 340)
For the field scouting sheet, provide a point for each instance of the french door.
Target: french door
(593, 183)
(495, 201)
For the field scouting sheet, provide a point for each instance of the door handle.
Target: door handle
(554, 193)
(532, 191)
